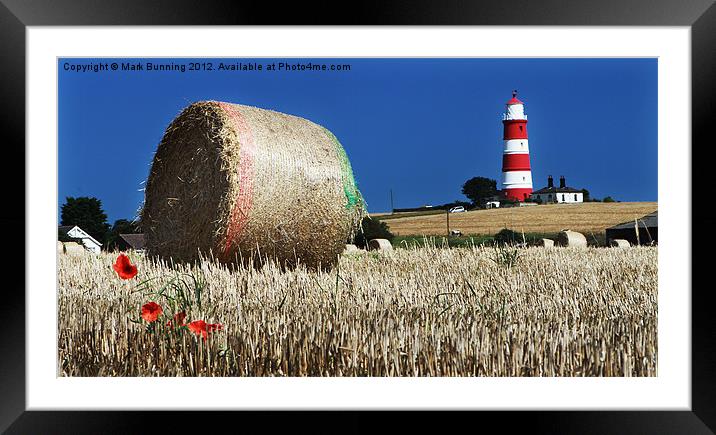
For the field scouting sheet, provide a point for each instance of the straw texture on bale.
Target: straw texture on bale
(571, 239)
(60, 247)
(546, 243)
(619, 243)
(380, 245)
(241, 183)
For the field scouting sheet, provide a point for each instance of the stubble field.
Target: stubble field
(588, 218)
(411, 312)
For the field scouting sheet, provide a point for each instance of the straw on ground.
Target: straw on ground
(587, 218)
(412, 312)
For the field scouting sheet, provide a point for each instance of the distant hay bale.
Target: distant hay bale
(74, 249)
(239, 183)
(571, 239)
(380, 245)
(546, 243)
(351, 248)
(619, 243)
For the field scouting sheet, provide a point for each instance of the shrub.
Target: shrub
(372, 229)
(505, 255)
(508, 237)
(509, 203)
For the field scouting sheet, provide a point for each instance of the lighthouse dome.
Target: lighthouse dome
(514, 99)
(515, 108)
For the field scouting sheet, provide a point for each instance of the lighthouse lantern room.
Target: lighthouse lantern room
(516, 172)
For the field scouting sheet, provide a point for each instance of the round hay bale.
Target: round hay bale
(380, 245)
(74, 249)
(60, 247)
(619, 243)
(351, 248)
(546, 243)
(241, 183)
(571, 239)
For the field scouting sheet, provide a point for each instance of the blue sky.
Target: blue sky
(420, 127)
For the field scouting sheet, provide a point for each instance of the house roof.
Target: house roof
(650, 221)
(136, 241)
(557, 190)
(65, 230)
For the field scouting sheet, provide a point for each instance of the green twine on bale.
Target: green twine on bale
(352, 193)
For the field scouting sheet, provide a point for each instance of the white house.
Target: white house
(561, 194)
(75, 232)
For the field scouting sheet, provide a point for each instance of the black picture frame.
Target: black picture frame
(16, 15)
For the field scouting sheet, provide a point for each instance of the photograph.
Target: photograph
(357, 217)
(405, 218)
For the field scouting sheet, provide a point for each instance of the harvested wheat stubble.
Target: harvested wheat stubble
(241, 183)
(417, 312)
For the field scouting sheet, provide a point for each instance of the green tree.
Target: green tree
(585, 195)
(608, 199)
(86, 213)
(372, 229)
(479, 189)
(121, 226)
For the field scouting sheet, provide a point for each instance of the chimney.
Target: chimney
(562, 183)
(550, 182)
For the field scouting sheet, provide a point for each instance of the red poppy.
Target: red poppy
(178, 319)
(151, 311)
(200, 327)
(124, 268)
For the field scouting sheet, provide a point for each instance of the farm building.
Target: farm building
(127, 242)
(77, 234)
(561, 194)
(648, 232)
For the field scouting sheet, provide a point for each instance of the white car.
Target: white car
(458, 209)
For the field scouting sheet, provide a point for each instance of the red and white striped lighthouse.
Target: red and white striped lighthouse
(516, 173)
